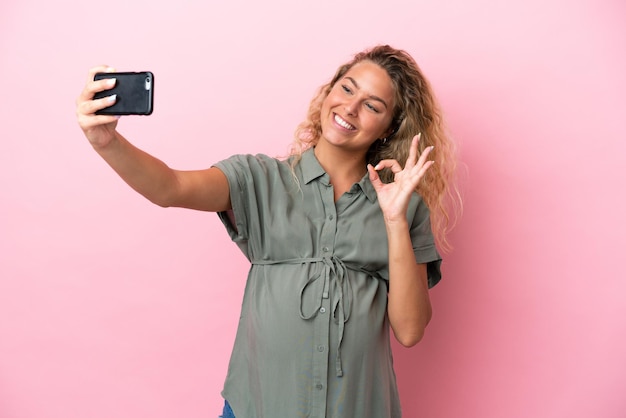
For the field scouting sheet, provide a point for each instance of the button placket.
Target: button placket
(323, 321)
(320, 357)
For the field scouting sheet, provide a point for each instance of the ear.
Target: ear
(391, 130)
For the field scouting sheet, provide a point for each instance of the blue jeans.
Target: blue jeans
(227, 413)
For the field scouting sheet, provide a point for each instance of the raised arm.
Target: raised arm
(409, 307)
(200, 189)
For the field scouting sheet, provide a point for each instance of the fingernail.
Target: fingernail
(111, 82)
(112, 98)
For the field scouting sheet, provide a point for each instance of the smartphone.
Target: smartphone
(134, 90)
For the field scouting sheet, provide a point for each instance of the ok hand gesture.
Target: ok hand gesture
(394, 197)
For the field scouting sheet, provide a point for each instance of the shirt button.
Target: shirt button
(322, 309)
(331, 217)
(325, 249)
(319, 386)
(320, 348)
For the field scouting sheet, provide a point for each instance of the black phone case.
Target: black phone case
(134, 90)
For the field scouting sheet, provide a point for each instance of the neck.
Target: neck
(343, 167)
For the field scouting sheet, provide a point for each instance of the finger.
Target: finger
(87, 110)
(423, 158)
(99, 69)
(423, 169)
(92, 86)
(413, 150)
(90, 107)
(374, 178)
(391, 164)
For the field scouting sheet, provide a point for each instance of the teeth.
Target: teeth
(343, 123)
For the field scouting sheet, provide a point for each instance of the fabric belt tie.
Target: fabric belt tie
(333, 268)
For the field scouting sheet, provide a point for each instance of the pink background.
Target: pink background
(113, 307)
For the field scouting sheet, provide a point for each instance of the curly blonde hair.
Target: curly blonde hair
(416, 111)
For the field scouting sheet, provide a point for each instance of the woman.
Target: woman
(340, 242)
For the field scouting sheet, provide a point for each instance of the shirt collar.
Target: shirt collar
(368, 188)
(311, 170)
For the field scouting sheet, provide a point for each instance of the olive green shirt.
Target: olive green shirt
(313, 336)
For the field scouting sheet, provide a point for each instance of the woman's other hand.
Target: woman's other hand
(99, 129)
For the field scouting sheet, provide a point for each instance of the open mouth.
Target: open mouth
(343, 123)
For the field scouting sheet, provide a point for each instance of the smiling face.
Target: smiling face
(359, 108)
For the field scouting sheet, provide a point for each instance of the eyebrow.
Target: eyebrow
(373, 97)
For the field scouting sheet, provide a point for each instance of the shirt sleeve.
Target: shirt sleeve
(242, 172)
(423, 241)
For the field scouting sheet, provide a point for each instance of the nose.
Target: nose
(351, 107)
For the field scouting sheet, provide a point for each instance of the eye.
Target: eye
(346, 89)
(372, 107)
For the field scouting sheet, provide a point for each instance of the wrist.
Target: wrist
(395, 224)
(104, 141)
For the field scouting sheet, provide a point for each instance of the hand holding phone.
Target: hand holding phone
(134, 93)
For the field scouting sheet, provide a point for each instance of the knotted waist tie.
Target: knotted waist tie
(341, 291)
